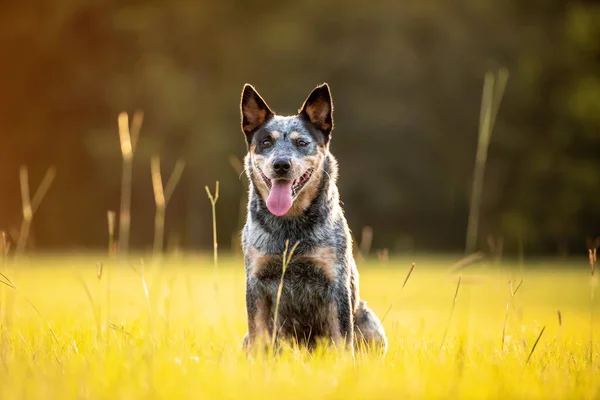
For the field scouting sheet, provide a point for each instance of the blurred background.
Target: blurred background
(406, 78)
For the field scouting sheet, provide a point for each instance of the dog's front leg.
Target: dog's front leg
(341, 318)
(258, 311)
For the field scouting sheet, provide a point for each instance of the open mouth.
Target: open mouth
(300, 182)
(283, 192)
(297, 185)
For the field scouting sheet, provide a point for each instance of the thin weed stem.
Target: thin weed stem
(111, 216)
(412, 267)
(535, 344)
(213, 202)
(4, 297)
(128, 138)
(142, 275)
(95, 308)
(30, 206)
(451, 312)
(366, 240)
(162, 195)
(6, 281)
(286, 260)
(508, 306)
(593, 284)
(493, 90)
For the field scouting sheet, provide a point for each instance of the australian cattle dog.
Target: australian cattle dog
(293, 197)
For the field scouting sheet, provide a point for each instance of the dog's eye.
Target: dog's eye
(267, 143)
(302, 143)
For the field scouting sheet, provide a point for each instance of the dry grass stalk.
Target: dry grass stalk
(30, 205)
(521, 251)
(508, 306)
(99, 270)
(107, 299)
(112, 246)
(383, 256)
(592, 253)
(162, 195)
(493, 90)
(142, 275)
(287, 256)
(535, 344)
(412, 267)
(95, 306)
(496, 246)
(558, 313)
(213, 202)
(7, 282)
(451, 312)
(366, 240)
(121, 329)
(514, 292)
(5, 302)
(4, 245)
(128, 138)
(467, 262)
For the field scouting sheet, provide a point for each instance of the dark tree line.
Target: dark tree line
(406, 79)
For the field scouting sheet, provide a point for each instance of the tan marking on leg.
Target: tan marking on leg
(333, 324)
(257, 336)
(261, 319)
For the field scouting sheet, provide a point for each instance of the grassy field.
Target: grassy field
(182, 340)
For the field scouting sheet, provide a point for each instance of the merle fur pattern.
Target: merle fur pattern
(320, 297)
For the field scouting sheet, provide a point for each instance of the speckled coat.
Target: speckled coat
(320, 292)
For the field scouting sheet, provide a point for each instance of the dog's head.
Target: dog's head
(286, 154)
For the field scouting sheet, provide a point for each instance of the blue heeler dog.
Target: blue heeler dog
(293, 197)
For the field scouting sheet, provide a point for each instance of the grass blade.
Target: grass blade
(535, 344)
(412, 267)
(286, 260)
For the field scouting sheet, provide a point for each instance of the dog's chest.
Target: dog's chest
(306, 293)
(307, 275)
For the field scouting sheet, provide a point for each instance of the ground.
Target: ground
(182, 340)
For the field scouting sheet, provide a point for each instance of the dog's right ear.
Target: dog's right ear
(254, 111)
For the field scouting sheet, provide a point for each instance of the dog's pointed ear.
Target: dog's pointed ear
(254, 111)
(318, 109)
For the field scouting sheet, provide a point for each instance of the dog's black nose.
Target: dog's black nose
(281, 166)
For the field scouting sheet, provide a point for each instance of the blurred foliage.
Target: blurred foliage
(406, 79)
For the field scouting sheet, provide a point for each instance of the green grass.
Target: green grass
(183, 340)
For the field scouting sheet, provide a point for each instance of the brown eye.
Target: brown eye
(302, 143)
(266, 143)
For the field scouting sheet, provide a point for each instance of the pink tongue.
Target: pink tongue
(280, 198)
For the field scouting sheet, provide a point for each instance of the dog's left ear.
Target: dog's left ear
(318, 109)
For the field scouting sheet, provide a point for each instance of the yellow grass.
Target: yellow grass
(185, 342)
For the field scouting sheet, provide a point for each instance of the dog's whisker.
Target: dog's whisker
(245, 170)
(322, 169)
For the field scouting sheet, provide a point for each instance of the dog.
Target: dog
(293, 197)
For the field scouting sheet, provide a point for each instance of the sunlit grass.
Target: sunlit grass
(183, 338)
